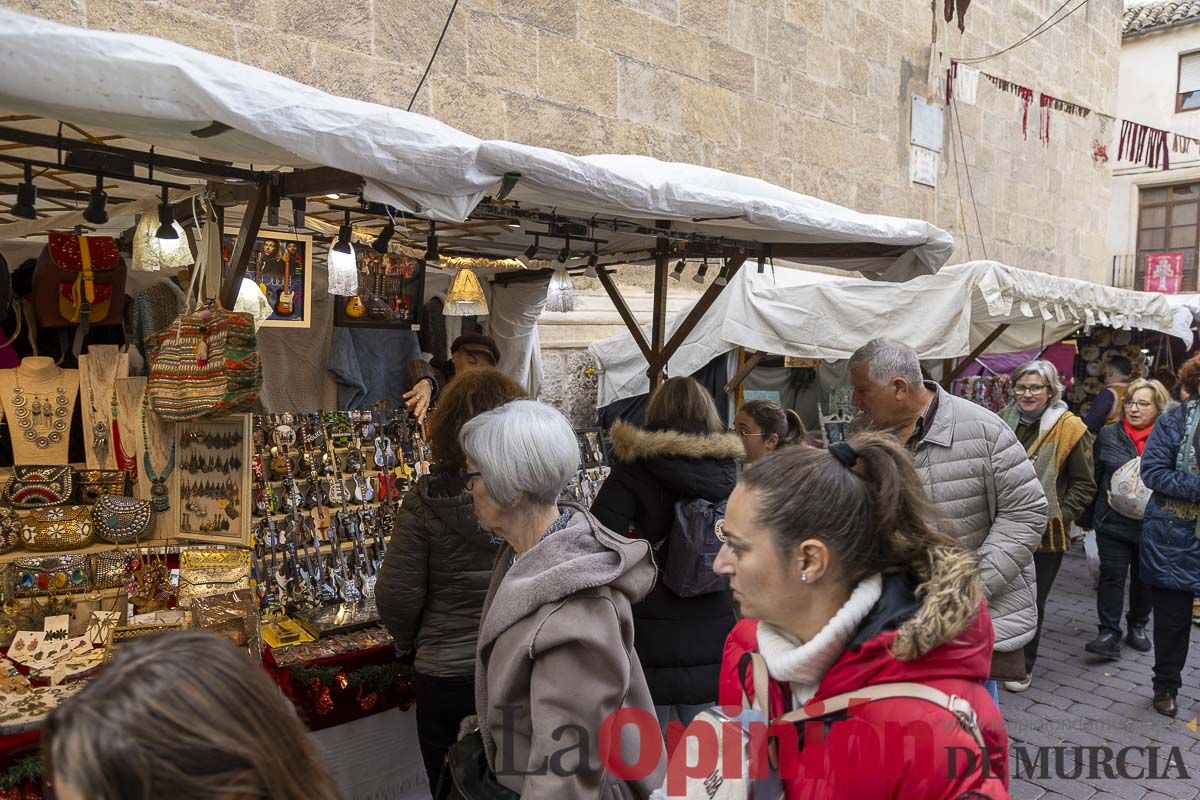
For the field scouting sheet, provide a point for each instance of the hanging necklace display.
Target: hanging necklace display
(160, 499)
(99, 429)
(124, 460)
(41, 421)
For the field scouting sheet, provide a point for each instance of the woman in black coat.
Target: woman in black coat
(683, 453)
(1118, 536)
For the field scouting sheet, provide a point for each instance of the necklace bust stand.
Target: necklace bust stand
(38, 399)
(98, 373)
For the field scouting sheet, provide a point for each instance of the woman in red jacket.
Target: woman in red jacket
(846, 581)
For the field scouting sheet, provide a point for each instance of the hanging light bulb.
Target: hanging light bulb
(677, 273)
(97, 211)
(702, 272)
(343, 266)
(152, 253)
(565, 253)
(762, 264)
(560, 294)
(26, 197)
(166, 219)
(380, 245)
(432, 257)
(465, 297)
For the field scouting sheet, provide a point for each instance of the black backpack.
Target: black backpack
(692, 547)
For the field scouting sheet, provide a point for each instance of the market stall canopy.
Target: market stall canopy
(947, 315)
(184, 101)
(1186, 308)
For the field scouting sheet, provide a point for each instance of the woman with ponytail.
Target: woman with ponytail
(840, 565)
(765, 427)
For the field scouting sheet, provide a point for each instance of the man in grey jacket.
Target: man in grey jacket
(975, 471)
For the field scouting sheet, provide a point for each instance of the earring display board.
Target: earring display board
(391, 289)
(213, 471)
(99, 370)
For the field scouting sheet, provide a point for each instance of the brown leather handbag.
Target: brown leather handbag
(79, 280)
(1008, 666)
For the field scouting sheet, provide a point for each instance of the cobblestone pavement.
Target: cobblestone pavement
(1078, 701)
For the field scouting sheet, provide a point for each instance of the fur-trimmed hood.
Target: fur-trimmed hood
(631, 443)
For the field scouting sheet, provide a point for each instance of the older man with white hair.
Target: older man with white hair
(978, 475)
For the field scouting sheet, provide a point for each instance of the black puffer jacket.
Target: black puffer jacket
(435, 576)
(1113, 450)
(678, 640)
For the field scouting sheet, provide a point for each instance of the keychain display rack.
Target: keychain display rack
(326, 488)
(593, 467)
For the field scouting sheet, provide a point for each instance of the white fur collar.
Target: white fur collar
(802, 665)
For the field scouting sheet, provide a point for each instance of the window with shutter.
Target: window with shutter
(1188, 96)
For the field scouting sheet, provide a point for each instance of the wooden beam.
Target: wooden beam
(743, 371)
(974, 354)
(244, 246)
(696, 314)
(614, 294)
(658, 319)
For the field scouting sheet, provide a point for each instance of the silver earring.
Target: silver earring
(804, 578)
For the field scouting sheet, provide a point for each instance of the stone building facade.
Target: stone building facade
(814, 95)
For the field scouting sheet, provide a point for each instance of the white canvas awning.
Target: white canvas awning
(947, 315)
(164, 94)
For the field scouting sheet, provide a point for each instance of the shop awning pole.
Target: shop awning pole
(698, 311)
(244, 246)
(658, 319)
(974, 354)
(614, 294)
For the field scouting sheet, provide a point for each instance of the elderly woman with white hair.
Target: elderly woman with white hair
(556, 656)
(1060, 447)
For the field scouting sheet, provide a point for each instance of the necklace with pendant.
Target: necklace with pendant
(41, 421)
(99, 429)
(160, 501)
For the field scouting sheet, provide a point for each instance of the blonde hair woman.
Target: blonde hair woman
(1060, 446)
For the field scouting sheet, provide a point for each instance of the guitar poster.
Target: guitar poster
(391, 289)
(281, 265)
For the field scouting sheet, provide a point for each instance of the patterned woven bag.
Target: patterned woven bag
(205, 364)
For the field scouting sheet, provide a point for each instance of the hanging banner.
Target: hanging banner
(1163, 273)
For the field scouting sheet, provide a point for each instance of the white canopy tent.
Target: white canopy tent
(186, 101)
(947, 315)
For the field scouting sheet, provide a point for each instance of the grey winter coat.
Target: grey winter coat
(980, 477)
(434, 578)
(556, 659)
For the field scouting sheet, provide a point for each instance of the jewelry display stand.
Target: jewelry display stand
(38, 399)
(98, 372)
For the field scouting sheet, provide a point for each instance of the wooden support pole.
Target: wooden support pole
(614, 294)
(947, 380)
(658, 319)
(695, 315)
(739, 377)
(244, 246)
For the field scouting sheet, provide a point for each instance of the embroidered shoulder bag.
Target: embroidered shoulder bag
(205, 363)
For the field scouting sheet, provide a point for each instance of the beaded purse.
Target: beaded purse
(10, 529)
(121, 520)
(96, 483)
(32, 575)
(58, 528)
(38, 487)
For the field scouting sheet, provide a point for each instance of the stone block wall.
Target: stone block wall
(810, 94)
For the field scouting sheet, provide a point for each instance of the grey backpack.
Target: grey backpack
(692, 547)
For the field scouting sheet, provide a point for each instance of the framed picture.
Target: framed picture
(391, 289)
(213, 466)
(281, 264)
